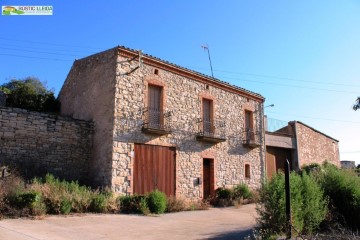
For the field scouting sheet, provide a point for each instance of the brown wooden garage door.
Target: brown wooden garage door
(154, 168)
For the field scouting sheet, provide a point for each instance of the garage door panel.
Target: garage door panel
(154, 168)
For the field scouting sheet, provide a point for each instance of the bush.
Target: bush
(175, 204)
(223, 193)
(308, 204)
(343, 189)
(133, 204)
(98, 203)
(241, 191)
(157, 202)
(60, 195)
(65, 206)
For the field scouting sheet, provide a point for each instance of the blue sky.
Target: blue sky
(303, 56)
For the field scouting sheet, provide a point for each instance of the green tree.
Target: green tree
(357, 104)
(31, 94)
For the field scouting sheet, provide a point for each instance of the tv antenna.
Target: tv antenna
(206, 47)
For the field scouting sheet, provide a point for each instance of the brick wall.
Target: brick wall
(315, 147)
(40, 143)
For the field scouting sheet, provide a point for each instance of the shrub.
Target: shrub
(98, 203)
(199, 205)
(308, 204)
(175, 204)
(157, 202)
(65, 206)
(241, 191)
(60, 195)
(343, 189)
(222, 198)
(133, 204)
(223, 193)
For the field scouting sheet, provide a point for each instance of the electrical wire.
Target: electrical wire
(52, 59)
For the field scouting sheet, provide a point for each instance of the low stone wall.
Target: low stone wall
(38, 143)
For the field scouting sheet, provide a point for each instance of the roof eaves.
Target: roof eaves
(196, 73)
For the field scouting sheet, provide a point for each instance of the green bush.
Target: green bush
(98, 203)
(308, 204)
(65, 206)
(56, 191)
(241, 191)
(133, 204)
(223, 193)
(343, 189)
(157, 202)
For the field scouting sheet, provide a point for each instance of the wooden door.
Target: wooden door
(208, 178)
(207, 118)
(249, 125)
(154, 168)
(154, 106)
(270, 164)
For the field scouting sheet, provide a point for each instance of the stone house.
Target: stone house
(159, 125)
(301, 145)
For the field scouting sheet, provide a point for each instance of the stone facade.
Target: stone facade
(41, 143)
(111, 89)
(88, 94)
(315, 147)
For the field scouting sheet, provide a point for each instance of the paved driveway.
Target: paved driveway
(223, 223)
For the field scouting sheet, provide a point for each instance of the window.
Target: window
(249, 125)
(155, 107)
(247, 171)
(208, 124)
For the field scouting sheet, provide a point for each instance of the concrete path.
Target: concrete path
(216, 223)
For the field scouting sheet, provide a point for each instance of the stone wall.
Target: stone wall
(111, 89)
(39, 143)
(183, 98)
(315, 147)
(88, 94)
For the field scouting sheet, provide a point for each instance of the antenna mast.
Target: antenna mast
(206, 47)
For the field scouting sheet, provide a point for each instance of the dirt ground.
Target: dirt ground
(216, 223)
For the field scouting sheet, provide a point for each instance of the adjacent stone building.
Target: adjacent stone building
(159, 125)
(301, 145)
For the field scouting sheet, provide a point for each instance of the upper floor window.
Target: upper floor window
(208, 122)
(249, 121)
(155, 113)
(249, 125)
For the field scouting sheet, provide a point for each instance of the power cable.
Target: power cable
(52, 59)
(25, 50)
(316, 118)
(48, 43)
